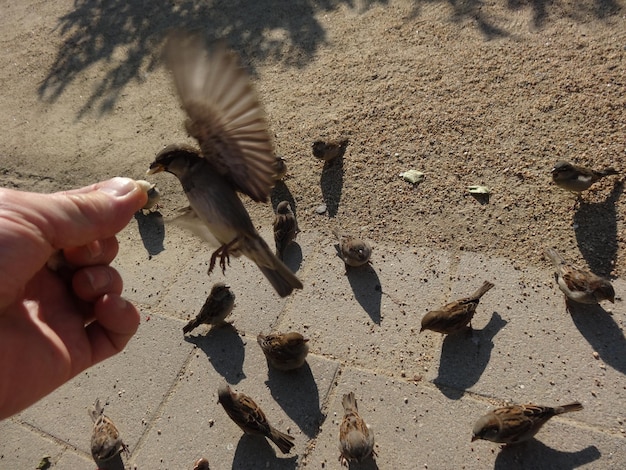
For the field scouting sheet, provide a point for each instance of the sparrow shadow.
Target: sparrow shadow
(535, 454)
(292, 256)
(280, 193)
(255, 452)
(151, 231)
(331, 183)
(225, 351)
(369, 464)
(602, 332)
(296, 393)
(464, 358)
(367, 290)
(115, 463)
(595, 228)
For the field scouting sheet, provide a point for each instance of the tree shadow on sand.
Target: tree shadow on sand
(296, 392)
(225, 351)
(535, 454)
(464, 358)
(128, 34)
(602, 332)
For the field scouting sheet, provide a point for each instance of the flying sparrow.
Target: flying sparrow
(284, 351)
(456, 315)
(106, 442)
(517, 423)
(216, 308)
(328, 151)
(285, 227)
(577, 178)
(356, 438)
(201, 464)
(280, 168)
(250, 418)
(579, 285)
(226, 118)
(353, 251)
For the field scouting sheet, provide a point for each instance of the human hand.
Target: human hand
(55, 324)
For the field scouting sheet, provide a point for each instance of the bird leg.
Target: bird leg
(222, 252)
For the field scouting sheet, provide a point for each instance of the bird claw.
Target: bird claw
(223, 254)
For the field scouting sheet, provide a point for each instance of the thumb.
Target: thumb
(77, 217)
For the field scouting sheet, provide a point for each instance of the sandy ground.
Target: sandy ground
(488, 93)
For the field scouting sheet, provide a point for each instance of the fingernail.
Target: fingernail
(95, 249)
(98, 278)
(118, 302)
(118, 186)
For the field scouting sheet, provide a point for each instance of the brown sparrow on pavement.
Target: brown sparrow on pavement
(456, 315)
(285, 227)
(250, 418)
(577, 178)
(579, 285)
(517, 423)
(284, 351)
(226, 118)
(356, 438)
(354, 251)
(328, 151)
(106, 442)
(216, 308)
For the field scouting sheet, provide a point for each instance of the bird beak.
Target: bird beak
(155, 168)
(474, 438)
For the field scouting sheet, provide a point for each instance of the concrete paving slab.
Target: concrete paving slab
(71, 460)
(131, 385)
(23, 447)
(368, 316)
(416, 427)
(532, 350)
(193, 424)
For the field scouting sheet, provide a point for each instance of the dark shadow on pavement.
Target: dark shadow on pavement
(367, 290)
(538, 456)
(151, 230)
(464, 358)
(224, 349)
(296, 392)
(254, 452)
(595, 226)
(292, 256)
(280, 193)
(602, 332)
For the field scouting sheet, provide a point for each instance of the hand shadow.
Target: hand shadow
(296, 392)
(331, 183)
(254, 452)
(225, 351)
(595, 227)
(536, 455)
(366, 287)
(463, 359)
(602, 332)
(151, 231)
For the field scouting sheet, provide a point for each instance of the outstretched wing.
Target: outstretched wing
(224, 113)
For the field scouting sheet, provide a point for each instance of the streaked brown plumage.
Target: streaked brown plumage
(577, 284)
(201, 464)
(354, 251)
(577, 178)
(456, 315)
(285, 227)
(329, 150)
(216, 308)
(280, 167)
(517, 423)
(250, 418)
(226, 118)
(106, 442)
(356, 438)
(284, 351)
